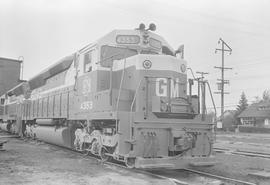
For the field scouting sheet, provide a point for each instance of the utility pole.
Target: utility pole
(222, 68)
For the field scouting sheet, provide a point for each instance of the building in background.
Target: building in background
(256, 115)
(10, 72)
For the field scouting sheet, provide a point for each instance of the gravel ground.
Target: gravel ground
(28, 164)
(31, 163)
(239, 167)
(244, 137)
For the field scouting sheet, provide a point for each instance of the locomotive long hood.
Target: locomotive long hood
(39, 80)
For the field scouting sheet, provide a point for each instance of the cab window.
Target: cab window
(110, 53)
(88, 62)
(167, 51)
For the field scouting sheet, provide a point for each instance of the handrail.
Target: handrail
(120, 87)
(215, 121)
(119, 93)
(209, 88)
(135, 95)
(132, 104)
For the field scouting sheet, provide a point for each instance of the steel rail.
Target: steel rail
(108, 163)
(173, 180)
(219, 177)
(243, 153)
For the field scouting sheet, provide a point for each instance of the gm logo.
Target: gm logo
(162, 87)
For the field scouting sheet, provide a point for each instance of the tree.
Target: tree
(266, 96)
(243, 104)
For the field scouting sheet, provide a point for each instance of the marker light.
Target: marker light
(127, 39)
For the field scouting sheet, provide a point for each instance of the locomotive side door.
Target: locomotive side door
(84, 86)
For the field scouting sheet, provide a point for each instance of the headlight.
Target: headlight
(163, 106)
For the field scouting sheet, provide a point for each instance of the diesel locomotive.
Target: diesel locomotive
(125, 97)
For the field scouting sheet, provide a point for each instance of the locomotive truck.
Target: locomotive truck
(124, 97)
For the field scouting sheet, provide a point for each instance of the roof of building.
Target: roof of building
(11, 60)
(258, 110)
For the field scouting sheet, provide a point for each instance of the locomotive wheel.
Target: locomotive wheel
(130, 162)
(102, 154)
(85, 148)
(94, 147)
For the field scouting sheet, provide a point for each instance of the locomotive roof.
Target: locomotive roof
(110, 38)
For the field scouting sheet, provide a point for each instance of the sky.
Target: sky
(44, 31)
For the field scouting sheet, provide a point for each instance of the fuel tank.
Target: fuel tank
(45, 122)
(62, 136)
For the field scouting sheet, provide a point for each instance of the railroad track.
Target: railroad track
(192, 177)
(178, 177)
(242, 152)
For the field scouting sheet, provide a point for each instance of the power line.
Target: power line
(260, 33)
(253, 63)
(245, 66)
(245, 77)
(234, 105)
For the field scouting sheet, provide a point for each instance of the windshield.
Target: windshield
(110, 53)
(167, 51)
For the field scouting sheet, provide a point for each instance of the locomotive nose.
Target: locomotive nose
(161, 63)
